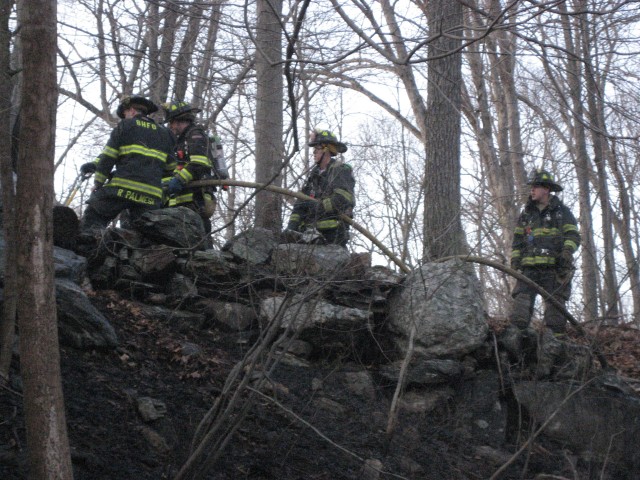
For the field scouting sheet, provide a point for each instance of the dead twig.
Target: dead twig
(302, 196)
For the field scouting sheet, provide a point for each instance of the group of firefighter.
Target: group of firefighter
(146, 166)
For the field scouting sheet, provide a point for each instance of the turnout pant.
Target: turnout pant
(557, 283)
(105, 205)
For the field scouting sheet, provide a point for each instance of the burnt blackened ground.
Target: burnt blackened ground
(308, 426)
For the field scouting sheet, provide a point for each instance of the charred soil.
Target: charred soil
(299, 430)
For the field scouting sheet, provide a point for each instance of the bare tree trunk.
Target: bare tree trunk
(596, 115)
(164, 65)
(202, 82)
(497, 161)
(231, 197)
(405, 71)
(443, 234)
(187, 47)
(623, 227)
(269, 115)
(48, 446)
(7, 323)
(152, 24)
(583, 169)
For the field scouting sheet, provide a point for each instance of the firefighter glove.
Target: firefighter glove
(516, 263)
(304, 205)
(564, 276)
(88, 168)
(174, 187)
(293, 226)
(565, 260)
(312, 208)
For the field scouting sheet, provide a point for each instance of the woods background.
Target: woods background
(522, 84)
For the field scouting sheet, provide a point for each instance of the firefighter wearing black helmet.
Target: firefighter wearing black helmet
(544, 241)
(195, 157)
(330, 182)
(129, 171)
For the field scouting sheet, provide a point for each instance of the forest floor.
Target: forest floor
(110, 440)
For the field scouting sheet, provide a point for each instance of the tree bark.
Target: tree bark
(48, 446)
(443, 234)
(203, 82)
(623, 227)
(269, 115)
(163, 65)
(610, 293)
(7, 323)
(185, 54)
(583, 168)
(497, 161)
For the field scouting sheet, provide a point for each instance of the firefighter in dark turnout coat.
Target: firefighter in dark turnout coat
(331, 182)
(129, 171)
(196, 161)
(544, 241)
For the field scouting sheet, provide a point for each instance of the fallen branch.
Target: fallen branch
(302, 196)
(466, 258)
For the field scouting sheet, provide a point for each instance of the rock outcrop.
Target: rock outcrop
(424, 332)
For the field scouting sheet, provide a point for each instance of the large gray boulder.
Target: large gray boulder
(319, 261)
(176, 226)
(157, 263)
(442, 304)
(211, 266)
(301, 313)
(425, 372)
(66, 227)
(253, 246)
(230, 316)
(66, 263)
(326, 326)
(69, 265)
(367, 289)
(80, 324)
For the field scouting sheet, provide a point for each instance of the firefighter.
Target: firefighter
(544, 242)
(129, 171)
(332, 184)
(199, 158)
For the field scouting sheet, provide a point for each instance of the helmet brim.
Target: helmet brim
(192, 112)
(136, 101)
(552, 186)
(340, 147)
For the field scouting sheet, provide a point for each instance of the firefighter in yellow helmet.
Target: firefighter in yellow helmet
(331, 182)
(544, 241)
(199, 157)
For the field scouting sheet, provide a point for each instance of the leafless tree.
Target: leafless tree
(443, 233)
(581, 160)
(391, 199)
(520, 67)
(48, 447)
(269, 116)
(7, 187)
